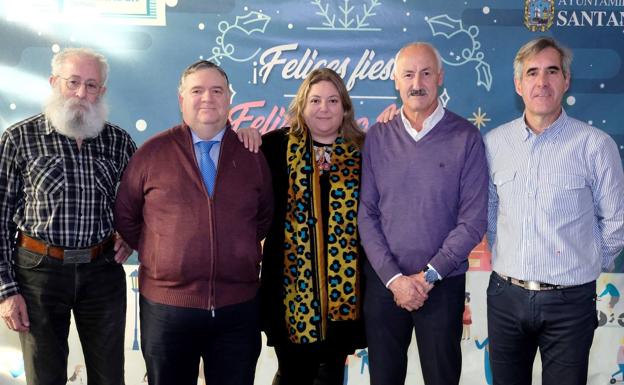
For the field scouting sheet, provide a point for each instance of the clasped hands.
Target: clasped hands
(410, 291)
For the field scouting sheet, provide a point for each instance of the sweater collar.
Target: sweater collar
(428, 124)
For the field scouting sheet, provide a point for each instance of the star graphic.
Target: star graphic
(444, 98)
(232, 93)
(479, 118)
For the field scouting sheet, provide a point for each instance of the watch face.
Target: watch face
(430, 276)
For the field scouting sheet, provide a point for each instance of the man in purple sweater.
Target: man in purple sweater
(423, 209)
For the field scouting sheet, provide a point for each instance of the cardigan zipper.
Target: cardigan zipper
(213, 261)
(213, 244)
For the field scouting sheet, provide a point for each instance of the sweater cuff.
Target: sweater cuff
(440, 264)
(392, 280)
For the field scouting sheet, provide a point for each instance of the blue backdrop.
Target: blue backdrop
(267, 48)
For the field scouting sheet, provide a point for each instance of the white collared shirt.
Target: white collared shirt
(428, 124)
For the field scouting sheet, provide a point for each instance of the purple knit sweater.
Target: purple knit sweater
(422, 202)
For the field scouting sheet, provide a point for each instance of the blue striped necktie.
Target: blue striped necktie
(206, 165)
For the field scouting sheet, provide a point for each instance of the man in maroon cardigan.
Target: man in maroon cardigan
(196, 204)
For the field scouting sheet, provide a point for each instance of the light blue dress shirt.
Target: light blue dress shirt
(214, 151)
(556, 201)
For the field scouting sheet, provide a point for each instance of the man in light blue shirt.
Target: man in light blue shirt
(555, 221)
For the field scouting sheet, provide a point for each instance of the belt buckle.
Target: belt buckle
(77, 256)
(532, 285)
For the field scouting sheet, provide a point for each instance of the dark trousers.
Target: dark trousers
(96, 293)
(438, 327)
(174, 338)
(560, 323)
(301, 364)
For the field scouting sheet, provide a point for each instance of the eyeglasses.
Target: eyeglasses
(74, 83)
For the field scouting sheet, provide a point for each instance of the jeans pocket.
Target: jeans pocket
(581, 299)
(496, 286)
(108, 256)
(27, 260)
(579, 295)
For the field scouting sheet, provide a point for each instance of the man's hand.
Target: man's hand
(13, 312)
(407, 294)
(388, 114)
(122, 249)
(422, 286)
(250, 137)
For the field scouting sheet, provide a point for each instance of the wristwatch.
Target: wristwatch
(431, 276)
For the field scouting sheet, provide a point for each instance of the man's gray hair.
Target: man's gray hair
(536, 46)
(59, 58)
(201, 65)
(420, 44)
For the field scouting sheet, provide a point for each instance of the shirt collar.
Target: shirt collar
(550, 132)
(428, 123)
(48, 129)
(524, 133)
(553, 131)
(217, 138)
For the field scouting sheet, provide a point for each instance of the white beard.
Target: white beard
(75, 118)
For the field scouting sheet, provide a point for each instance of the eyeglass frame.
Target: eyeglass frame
(80, 83)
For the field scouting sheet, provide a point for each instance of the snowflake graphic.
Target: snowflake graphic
(479, 118)
(347, 19)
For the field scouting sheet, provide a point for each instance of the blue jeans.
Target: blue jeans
(96, 293)
(174, 338)
(560, 323)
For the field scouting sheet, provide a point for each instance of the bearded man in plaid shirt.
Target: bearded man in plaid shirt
(59, 172)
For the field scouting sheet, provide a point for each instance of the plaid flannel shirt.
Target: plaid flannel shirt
(52, 191)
